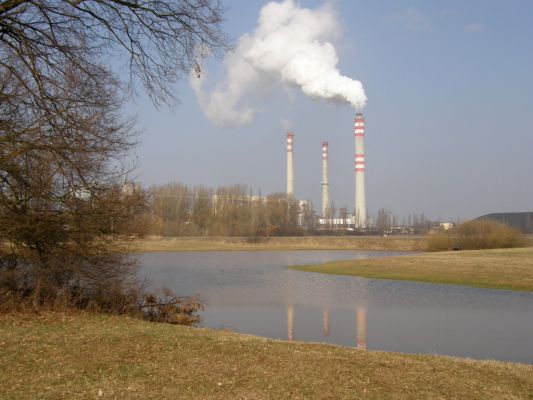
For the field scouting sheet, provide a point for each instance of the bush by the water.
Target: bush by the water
(67, 199)
(478, 234)
(125, 297)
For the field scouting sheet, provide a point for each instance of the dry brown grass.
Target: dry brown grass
(477, 235)
(408, 243)
(84, 356)
(499, 269)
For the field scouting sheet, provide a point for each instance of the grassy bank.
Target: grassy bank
(499, 269)
(57, 356)
(413, 243)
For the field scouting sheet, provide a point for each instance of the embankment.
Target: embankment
(498, 269)
(84, 356)
(397, 243)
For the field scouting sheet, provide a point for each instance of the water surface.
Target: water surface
(254, 292)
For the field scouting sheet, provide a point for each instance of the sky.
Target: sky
(449, 118)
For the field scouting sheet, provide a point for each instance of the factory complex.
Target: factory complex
(358, 219)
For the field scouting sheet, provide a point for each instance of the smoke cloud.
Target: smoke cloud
(289, 44)
(286, 124)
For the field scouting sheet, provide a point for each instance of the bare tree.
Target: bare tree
(226, 211)
(282, 214)
(161, 39)
(309, 218)
(64, 200)
(170, 210)
(62, 203)
(383, 220)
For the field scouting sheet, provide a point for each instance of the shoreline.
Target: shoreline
(83, 355)
(503, 269)
(188, 244)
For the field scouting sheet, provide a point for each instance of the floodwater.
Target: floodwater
(255, 293)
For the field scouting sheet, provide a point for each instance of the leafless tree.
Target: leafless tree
(175, 209)
(382, 220)
(309, 218)
(64, 200)
(158, 40)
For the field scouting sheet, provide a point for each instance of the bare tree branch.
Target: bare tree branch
(64, 198)
(162, 39)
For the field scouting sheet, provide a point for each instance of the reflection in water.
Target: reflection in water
(325, 322)
(360, 324)
(361, 327)
(290, 323)
(250, 292)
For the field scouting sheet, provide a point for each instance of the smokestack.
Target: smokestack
(290, 167)
(325, 183)
(360, 202)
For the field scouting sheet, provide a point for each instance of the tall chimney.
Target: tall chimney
(290, 167)
(325, 183)
(360, 202)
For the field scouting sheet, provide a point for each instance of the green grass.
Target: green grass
(58, 356)
(499, 269)
(281, 243)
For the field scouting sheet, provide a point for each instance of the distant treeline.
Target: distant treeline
(175, 209)
(179, 210)
(387, 222)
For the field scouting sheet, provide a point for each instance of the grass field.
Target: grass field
(413, 243)
(87, 356)
(499, 269)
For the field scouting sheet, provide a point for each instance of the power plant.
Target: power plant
(359, 220)
(325, 183)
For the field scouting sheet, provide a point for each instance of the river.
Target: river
(255, 293)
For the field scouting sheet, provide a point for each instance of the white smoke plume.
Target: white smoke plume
(289, 44)
(286, 124)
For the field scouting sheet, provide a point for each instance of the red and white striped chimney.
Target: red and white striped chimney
(359, 166)
(325, 182)
(290, 166)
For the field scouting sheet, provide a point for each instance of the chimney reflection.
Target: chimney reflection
(360, 324)
(361, 327)
(290, 323)
(325, 322)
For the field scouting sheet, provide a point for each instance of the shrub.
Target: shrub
(125, 297)
(477, 234)
(171, 309)
(256, 239)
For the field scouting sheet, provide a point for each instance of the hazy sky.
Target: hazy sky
(449, 119)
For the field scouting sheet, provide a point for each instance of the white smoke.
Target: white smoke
(286, 124)
(289, 44)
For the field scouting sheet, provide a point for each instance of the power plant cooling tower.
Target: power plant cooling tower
(360, 202)
(290, 167)
(325, 183)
